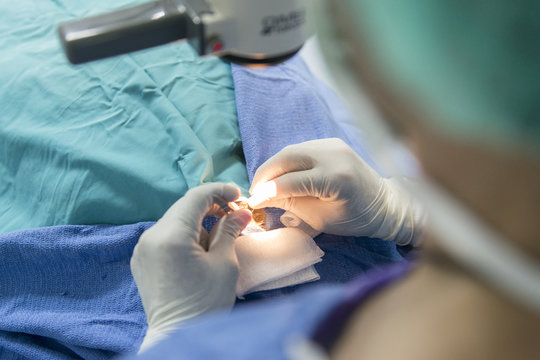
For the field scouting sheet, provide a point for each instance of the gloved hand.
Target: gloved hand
(181, 271)
(327, 185)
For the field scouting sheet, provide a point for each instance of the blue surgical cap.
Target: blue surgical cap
(474, 64)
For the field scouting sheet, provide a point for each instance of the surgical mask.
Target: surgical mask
(456, 229)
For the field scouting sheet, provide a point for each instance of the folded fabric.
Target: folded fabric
(268, 260)
(115, 141)
(286, 104)
(305, 275)
(67, 292)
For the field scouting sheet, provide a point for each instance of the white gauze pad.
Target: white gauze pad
(277, 256)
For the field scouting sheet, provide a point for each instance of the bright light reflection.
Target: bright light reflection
(158, 15)
(262, 192)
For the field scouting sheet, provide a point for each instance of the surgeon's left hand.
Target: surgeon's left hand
(181, 271)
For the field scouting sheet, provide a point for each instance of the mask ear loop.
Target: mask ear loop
(473, 244)
(457, 230)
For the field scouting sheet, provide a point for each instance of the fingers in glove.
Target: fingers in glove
(217, 211)
(294, 184)
(311, 210)
(227, 230)
(199, 201)
(290, 159)
(204, 239)
(291, 220)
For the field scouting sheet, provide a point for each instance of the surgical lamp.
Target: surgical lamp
(249, 32)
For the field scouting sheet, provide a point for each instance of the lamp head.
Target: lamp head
(249, 32)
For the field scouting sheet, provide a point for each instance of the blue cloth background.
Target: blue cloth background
(67, 292)
(286, 104)
(115, 141)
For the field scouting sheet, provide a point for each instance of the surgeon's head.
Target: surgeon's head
(460, 81)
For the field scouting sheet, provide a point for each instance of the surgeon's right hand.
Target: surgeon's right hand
(328, 186)
(180, 270)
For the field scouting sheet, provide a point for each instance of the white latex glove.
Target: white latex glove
(181, 271)
(327, 185)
